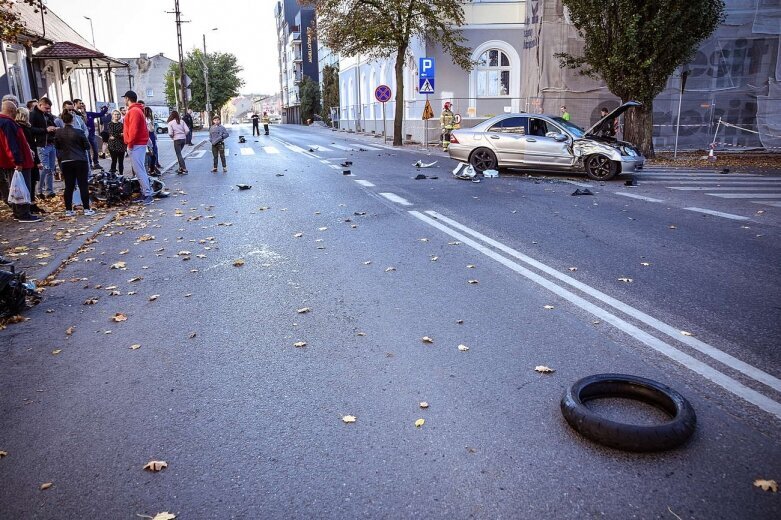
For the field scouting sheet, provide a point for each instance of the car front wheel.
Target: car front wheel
(601, 168)
(483, 159)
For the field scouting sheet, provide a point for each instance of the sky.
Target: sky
(125, 29)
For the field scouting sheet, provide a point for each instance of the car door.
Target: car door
(545, 152)
(507, 139)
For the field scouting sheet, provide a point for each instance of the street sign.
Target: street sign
(426, 68)
(426, 85)
(382, 93)
(457, 119)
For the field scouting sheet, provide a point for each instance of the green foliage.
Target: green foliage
(224, 80)
(381, 28)
(635, 45)
(330, 90)
(11, 24)
(309, 92)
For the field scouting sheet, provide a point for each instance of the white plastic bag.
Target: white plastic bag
(18, 194)
(77, 198)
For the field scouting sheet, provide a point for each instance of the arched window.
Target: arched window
(493, 74)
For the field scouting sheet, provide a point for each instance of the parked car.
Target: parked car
(275, 119)
(542, 142)
(162, 126)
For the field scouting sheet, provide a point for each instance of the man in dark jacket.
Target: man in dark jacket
(255, 124)
(43, 127)
(92, 137)
(188, 119)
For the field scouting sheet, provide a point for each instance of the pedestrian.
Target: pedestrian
(178, 129)
(123, 112)
(16, 158)
(32, 175)
(32, 104)
(217, 136)
(116, 143)
(105, 119)
(255, 120)
(136, 136)
(564, 114)
(72, 146)
(447, 123)
(151, 157)
(43, 127)
(92, 136)
(188, 120)
(266, 121)
(608, 127)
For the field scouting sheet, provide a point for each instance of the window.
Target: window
(538, 127)
(150, 93)
(511, 125)
(493, 74)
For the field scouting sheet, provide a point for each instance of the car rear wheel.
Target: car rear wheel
(601, 168)
(483, 159)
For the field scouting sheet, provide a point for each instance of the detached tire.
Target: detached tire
(629, 437)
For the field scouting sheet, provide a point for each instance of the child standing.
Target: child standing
(217, 136)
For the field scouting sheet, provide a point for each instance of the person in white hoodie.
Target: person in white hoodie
(178, 130)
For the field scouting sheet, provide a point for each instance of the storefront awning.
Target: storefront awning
(80, 57)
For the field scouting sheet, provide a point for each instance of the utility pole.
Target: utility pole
(179, 23)
(206, 81)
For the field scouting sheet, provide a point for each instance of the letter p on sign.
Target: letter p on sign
(426, 68)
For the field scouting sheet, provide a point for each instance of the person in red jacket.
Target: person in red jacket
(136, 137)
(15, 156)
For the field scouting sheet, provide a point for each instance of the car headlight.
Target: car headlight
(628, 151)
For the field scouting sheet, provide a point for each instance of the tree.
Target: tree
(224, 80)
(380, 28)
(330, 90)
(310, 98)
(11, 23)
(635, 45)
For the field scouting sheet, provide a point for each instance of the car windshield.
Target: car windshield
(573, 129)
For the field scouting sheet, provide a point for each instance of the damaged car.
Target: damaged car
(547, 143)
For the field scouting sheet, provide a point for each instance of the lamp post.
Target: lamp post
(206, 81)
(92, 29)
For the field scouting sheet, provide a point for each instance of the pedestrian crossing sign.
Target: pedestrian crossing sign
(426, 86)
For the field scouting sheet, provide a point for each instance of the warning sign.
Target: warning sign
(426, 86)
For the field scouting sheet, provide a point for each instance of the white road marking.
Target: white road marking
(718, 213)
(395, 198)
(746, 195)
(270, 150)
(697, 366)
(335, 167)
(577, 183)
(345, 148)
(701, 176)
(367, 147)
(325, 161)
(246, 151)
(639, 197)
(768, 203)
(364, 183)
(295, 148)
(722, 188)
(720, 183)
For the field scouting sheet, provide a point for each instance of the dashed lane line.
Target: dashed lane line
(718, 213)
(723, 188)
(768, 203)
(246, 151)
(395, 198)
(639, 197)
(746, 195)
(363, 182)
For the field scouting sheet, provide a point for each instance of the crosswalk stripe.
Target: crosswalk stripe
(367, 147)
(294, 148)
(363, 182)
(746, 195)
(246, 151)
(270, 150)
(640, 197)
(345, 148)
(768, 203)
(723, 188)
(718, 213)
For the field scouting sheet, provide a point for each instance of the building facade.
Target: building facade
(298, 54)
(146, 76)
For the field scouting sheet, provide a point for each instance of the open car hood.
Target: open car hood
(614, 114)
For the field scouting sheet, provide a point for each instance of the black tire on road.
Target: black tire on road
(629, 437)
(601, 168)
(483, 159)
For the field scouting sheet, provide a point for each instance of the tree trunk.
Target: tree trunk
(639, 128)
(398, 117)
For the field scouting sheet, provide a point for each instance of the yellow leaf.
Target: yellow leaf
(419, 423)
(184, 253)
(426, 339)
(55, 352)
(46, 485)
(165, 515)
(154, 297)
(119, 317)
(135, 347)
(70, 330)
(118, 265)
(423, 404)
(303, 310)
(238, 262)
(146, 238)
(155, 465)
(299, 344)
(766, 485)
(543, 369)
(348, 419)
(463, 348)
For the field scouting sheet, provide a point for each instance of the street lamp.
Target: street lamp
(92, 29)
(206, 80)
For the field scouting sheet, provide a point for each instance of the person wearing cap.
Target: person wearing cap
(136, 136)
(447, 123)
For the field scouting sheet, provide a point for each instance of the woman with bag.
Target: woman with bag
(116, 143)
(72, 146)
(23, 120)
(16, 158)
(217, 136)
(178, 129)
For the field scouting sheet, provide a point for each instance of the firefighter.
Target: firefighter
(447, 123)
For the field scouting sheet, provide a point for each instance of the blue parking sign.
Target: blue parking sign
(426, 68)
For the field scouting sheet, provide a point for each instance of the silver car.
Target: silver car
(540, 142)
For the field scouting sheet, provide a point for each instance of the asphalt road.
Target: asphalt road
(251, 425)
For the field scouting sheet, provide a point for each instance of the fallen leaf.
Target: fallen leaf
(200, 256)
(155, 465)
(625, 279)
(423, 239)
(46, 485)
(766, 485)
(298, 235)
(3, 454)
(57, 351)
(136, 279)
(426, 339)
(238, 262)
(470, 266)
(473, 282)
(460, 322)
(672, 227)
(118, 265)
(119, 317)
(188, 295)
(184, 253)
(165, 515)
(548, 307)
(303, 310)
(423, 404)
(115, 293)
(573, 269)
(299, 344)
(361, 334)
(419, 423)
(124, 251)
(146, 238)
(349, 419)
(434, 258)
(367, 262)
(322, 229)
(542, 369)
(389, 269)
(135, 347)
(90, 301)
(70, 330)
(686, 333)
(192, 335)
(463, 348)
(154, 297)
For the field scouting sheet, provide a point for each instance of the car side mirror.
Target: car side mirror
(556, 136)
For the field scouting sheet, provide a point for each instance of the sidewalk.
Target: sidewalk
(40, 248)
